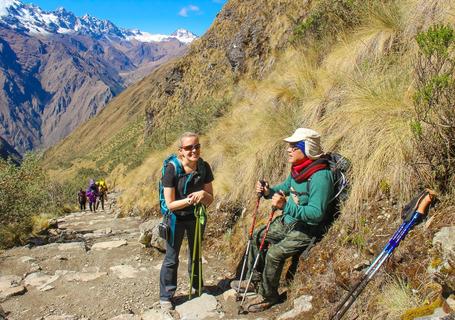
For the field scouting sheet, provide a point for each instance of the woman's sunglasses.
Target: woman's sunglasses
(190, 147)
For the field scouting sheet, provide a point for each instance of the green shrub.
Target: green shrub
(433, 126)
(24, 193)
(328, 18)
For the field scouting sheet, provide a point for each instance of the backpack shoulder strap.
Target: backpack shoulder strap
(172, 159)
(201, 168)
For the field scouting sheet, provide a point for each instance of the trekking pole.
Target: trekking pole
(421, 207)
(196, 238)
(199, 211)
(200, 254)
(250, 239)
(274, 209)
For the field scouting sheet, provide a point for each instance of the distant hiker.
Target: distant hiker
(82, 198)
(302, 219)
(92, 194)
(186, 182)
(102, 193)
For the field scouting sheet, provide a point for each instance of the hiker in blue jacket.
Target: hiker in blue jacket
(181, 194)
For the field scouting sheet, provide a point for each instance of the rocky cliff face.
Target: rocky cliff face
(8, 152)
(58, 70)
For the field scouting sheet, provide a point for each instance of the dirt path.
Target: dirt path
(100, 272)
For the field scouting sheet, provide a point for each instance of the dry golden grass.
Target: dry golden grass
(395, 298)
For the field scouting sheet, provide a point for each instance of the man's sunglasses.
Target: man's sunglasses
(190, 147)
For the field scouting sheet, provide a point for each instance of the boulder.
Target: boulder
(301, 304)
(149, 235)
(40, 280)
(445, 241)
(9, 292)
(203, 307)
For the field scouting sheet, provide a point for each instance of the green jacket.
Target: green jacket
(311, 208)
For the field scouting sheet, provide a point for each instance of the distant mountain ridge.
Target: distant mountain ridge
(31, 19)
(58, 70)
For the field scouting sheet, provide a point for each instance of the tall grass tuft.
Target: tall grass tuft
(395, 298)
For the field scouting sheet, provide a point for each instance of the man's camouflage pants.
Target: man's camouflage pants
(283, 241)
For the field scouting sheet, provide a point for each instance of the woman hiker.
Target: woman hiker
(181, 194)
(302, 219)
(92, 194)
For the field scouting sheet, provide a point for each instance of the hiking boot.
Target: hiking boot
(243, 288)
(166, 305)
(260, 304)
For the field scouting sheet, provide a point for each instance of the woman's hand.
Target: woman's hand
(279, 200)
(197, 197)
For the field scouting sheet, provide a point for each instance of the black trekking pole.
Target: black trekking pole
(269, 221)
(250, 239)
(421, 205)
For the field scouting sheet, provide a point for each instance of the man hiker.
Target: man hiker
(82, 199)
(182, 192)
(304, 211)
(102, 193)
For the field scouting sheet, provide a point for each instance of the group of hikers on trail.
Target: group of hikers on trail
(309, 199)
(95, 191)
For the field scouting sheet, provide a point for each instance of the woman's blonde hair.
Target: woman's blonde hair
(187, 134)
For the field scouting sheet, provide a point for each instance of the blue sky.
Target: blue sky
(154, 16)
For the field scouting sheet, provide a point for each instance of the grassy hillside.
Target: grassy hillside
(352, 70)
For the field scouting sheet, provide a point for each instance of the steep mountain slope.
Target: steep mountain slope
(242, 43)
(69, 68)
(345, 68)
(8, 152)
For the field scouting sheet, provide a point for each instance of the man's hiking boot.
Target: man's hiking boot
(166, 305)
(236, 283)
(259, 304)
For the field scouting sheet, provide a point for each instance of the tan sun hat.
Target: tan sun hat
(312, 139)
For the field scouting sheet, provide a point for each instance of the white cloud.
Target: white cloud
(185, 10)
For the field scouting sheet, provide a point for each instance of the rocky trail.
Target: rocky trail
(97, 269)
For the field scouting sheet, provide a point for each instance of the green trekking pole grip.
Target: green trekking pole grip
(193, 256)
(200, 259)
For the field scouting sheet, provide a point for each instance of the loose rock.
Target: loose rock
(109, 245)
(124, 271)
(154, 314)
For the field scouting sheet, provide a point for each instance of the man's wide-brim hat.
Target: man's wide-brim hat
(312, 139)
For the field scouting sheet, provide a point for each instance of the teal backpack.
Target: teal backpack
(173, 160)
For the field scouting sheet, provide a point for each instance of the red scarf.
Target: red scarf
(303, 170)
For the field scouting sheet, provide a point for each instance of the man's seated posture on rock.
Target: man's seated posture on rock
(303, 215)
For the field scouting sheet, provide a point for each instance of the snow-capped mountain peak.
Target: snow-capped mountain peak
(184, 35)
(6, 5)
(33, 20)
